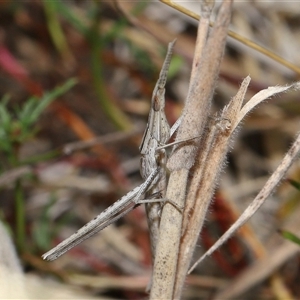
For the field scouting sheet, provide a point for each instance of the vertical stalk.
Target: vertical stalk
(206, 64)
(95, 41)
(20, 215)
(18, 201)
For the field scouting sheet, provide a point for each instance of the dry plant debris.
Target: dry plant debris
(115, 50)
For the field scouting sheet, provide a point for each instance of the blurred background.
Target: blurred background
(76, 79)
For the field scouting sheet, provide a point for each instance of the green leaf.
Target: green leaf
(46, 99)
(294, 183)
(175, 66)
(18, 126)
(41, 232)
(6, 124)
(5, 118)
(70, 15)
(24, 113)
(290, 236)
(44, 230)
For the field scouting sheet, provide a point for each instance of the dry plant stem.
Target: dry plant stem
(203, 29)
(164, 269)
(203, 81)
(204, 179)
(279, 289)
(207, 150)
(204, 75)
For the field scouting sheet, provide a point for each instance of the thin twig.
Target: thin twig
(108, 138)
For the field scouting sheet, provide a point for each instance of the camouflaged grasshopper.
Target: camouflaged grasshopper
(153, 161)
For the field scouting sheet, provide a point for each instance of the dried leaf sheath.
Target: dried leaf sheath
(235, 115)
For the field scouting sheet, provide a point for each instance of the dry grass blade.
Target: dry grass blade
(262, 96)
(266, 265)
(239, 38)
(259, 271)
(273, 180)
(205, 175)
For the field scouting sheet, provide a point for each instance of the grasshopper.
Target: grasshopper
(153, 162)
(157, 133)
